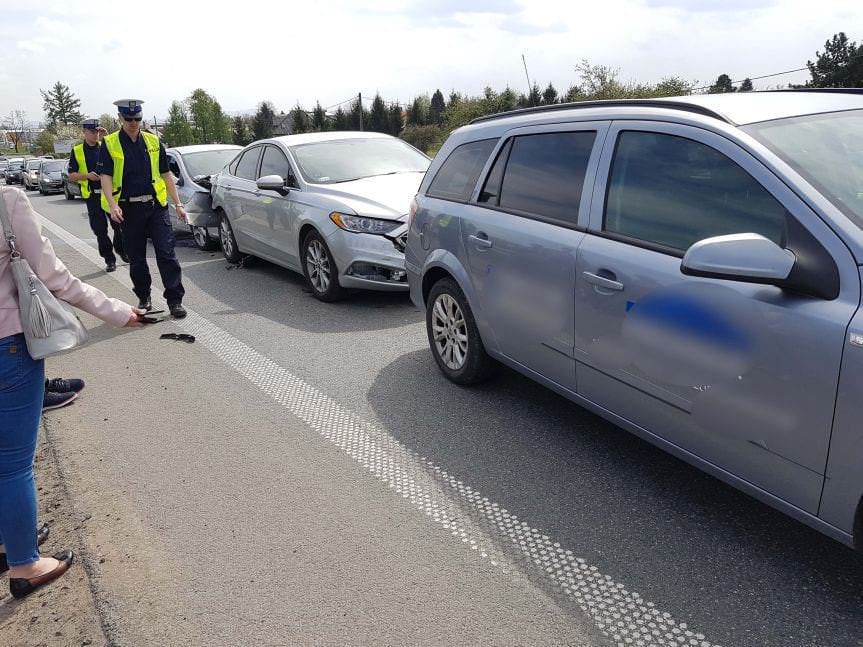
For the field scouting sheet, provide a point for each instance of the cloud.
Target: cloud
(711, 6)
(111, 45)
(35, 46)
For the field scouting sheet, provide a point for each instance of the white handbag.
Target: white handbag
(50, 326)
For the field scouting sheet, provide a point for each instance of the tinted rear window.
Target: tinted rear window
(248, 166)
(457, 176)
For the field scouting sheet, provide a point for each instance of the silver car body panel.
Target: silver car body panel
(196, 199)
(766, 419)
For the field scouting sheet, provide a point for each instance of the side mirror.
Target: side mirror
(273, 183)
(749, 258)
(203, 180)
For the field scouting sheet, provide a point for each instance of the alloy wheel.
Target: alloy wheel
(226, 237)
(450, 332)
(318, 266)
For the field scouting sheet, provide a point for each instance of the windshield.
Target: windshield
(826, 149)
(208, 162)
(352, 159)
(51, 167)
(34, 164)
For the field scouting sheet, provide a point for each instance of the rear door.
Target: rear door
(739, 374)
(521, 235)
(241, 201)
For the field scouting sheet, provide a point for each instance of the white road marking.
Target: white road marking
(619, 613)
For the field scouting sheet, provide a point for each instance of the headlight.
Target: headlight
(363, 225)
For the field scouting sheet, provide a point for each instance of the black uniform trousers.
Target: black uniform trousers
(143, 220)
(99, 225)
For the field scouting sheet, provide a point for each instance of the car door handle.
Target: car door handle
(602, 282)
(480, 241)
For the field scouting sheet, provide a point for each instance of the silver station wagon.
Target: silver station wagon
(687, 268)
(333, 206)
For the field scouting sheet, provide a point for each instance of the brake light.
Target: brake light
(413, 212)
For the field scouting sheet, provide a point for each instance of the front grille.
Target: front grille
(401, 242)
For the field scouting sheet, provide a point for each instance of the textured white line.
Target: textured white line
(619, 613)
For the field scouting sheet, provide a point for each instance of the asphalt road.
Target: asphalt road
(303, 474)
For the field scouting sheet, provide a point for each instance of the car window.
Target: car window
(174, 166)
(33, 164)
(457, 176)
(274, 163)
(674, 191)
(490, 193)
(545, 174)
(248, 165)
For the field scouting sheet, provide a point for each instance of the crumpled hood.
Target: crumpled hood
(381, 196)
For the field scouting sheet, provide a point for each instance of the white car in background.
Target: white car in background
(332, 206)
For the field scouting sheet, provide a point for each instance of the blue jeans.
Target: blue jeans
(22, 388)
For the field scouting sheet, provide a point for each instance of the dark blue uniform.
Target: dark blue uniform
(142, 220)
(99, 219)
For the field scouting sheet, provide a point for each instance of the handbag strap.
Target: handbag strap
(7, 227)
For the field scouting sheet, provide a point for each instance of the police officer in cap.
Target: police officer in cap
(82, 169)
(136, 183)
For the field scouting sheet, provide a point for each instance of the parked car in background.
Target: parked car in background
(193, 166)
(71, 189)
(687, 268)
(3, 164)
(14, 170)
(50, 176)
(332, 206)
(30, 177)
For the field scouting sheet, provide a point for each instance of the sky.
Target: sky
(290, 53)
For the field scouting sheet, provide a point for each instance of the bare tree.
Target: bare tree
(15, 125)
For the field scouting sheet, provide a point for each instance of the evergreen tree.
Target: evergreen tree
(262, 124)
(723, 84)
(454, 98)
(178, 131)
(549, 95)
(341, 120)
(437, 107)
(61, 105)
(418, 113)
(745, 85)
(319, 119)
(240, 135)
(300, 121)
(396, 120)
(378, 117)
(358, 116)
(840, 66)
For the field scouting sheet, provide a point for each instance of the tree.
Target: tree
(240, 135)
(61, 105)
(454, 98)
(262, 124)
(209, 123)
(358, 116)
(418, 113)
(745, 85)
(178, 131)
(109, 122)
(300, 121)
(673, 86)
(15, 125)
(531, 99)
(840, 66)
(549, 95)
(319, 118)
(437, 107)
(341, 120)
(723, 84)
(396, 120)
(45, 142)
(378, 118)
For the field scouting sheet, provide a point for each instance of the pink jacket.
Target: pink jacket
(40, 254)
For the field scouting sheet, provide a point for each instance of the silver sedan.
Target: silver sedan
(332, 206)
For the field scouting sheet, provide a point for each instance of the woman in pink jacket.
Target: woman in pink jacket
(22, 386)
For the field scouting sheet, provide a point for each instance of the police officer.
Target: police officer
(136, 183)
(82, 169)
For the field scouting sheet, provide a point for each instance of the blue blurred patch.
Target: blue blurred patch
(689, 317)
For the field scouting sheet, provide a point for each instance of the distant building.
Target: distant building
(283, 124)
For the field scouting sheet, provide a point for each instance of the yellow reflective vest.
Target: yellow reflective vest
(78, 150)
(115, 150)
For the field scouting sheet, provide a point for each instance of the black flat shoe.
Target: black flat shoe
(41, 538)
(21, 587)
(177, 310)
(110, 267)
(145, 304)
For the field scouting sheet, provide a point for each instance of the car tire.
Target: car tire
(320, 270)
(67, 193)
(228, 242)
(454, 337)
(41, 190)
(203, 240)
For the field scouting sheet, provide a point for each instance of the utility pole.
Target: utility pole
(527, 76)
(361, 110)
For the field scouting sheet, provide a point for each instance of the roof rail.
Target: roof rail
(825, 90)
(606, 103)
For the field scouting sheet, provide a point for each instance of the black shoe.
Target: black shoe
(110, 267)
(62, 385)
(56, 400)
(41, 538)
(177, 310)
(145, 304)
(124, 258)
(21, 587)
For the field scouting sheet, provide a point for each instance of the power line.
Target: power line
(756, 78)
